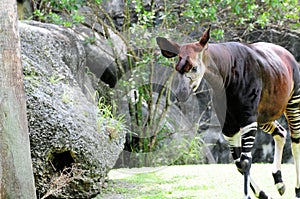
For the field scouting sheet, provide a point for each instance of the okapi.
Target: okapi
(253, 85)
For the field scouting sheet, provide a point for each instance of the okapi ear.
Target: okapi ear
(205, 37)
(168, 48)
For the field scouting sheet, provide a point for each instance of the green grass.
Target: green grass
(194, 181)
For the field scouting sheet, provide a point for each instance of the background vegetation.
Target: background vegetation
(186, 16)
(139, 24)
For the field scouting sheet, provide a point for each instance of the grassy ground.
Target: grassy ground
(193, 181)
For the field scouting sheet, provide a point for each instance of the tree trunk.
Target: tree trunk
(16, 176)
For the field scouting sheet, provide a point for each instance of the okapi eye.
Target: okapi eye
(194, 69)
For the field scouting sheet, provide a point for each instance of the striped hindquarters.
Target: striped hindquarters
(293, 116)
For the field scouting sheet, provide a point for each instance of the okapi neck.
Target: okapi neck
(213, 75)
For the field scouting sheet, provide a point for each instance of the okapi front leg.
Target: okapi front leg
(248, 136)
(235, 145)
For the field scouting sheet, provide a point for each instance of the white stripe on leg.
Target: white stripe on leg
(248, 136)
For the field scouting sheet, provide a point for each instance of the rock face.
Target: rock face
(66, 128)
(100, 55)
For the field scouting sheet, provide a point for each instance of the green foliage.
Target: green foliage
(145, 17)
(51, 11)
(107, 117)
(246, 14)
(187, 17)
(193, 154)
(105, 108)
(55, 79)
(65, 98)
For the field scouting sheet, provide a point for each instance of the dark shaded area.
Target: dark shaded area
(62, 160)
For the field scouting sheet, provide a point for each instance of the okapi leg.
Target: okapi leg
(279, 136)
(257, 191)
(293, 117)
(248, 136)
(240, 146)
(296, 154)
(235, 146)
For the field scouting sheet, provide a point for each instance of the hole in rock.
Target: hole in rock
(62, 160)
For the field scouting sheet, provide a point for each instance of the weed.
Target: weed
(113, 124)
(55, 79)
(62, 180)
(65, 98)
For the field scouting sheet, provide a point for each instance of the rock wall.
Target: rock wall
(71, 143)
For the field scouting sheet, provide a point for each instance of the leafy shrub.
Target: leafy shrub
(246, 14)
(51, 10)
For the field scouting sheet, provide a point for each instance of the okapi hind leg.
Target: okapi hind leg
(293, 117)
(296, 154)
(279, 136)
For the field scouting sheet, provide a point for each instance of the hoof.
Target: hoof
(262, 195)
(297, 190)
(281, 188)
(278, 182)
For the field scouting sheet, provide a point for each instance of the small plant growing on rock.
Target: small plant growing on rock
(108, 119)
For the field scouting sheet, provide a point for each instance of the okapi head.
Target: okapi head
(190, 63)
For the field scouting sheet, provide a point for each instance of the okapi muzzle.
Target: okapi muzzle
(183, 90)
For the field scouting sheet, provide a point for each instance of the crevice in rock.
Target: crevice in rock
(62, 160)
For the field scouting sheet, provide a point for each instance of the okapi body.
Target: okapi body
(253, 85)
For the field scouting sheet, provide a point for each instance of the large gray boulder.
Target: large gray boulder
(72, 145)
(101, 53)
